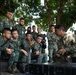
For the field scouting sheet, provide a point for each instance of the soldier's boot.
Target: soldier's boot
(14, 67)
(23, 67)
(9, 68)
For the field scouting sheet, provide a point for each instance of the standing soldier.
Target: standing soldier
(34, 33)
(4, 44)
(66, 46)
(28, 29)
(52, 42)
(21, 27)
(7, 22)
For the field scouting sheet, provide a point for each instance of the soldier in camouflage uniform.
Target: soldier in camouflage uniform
(5, 51)
(52, 42)
(7, 22)
(15, 45)
(21, 28)
(34, 33)
(27, 46)
(66, 45)
(37, 56)
(32, 48)
(35, 51)
(28, 29)
(43, 42)
(42, 58)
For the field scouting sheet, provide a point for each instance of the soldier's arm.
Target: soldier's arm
(36, 48)
(25, 45)
(4, 46)
(24, 51)
(2, 49)
(71, 48)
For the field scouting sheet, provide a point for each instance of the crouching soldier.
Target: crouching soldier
(37, 52)
(15, 45)
(4, 44)
(66, 45)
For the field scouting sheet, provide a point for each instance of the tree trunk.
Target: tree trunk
(49, 12)
(60, 10)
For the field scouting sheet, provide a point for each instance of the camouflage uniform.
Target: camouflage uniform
(3, 46)
(34, 34)
(52, 44)
(43, 46)
(26, 46)
(6, 24)
(43, 42)
(15, 46)
(21, 30)
(68, 42)
(42, 57)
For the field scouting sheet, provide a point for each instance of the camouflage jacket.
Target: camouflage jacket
(3, 44)
(21, 30)
(25, 45)
(68, 42)
(52, 40)
(15, 45)
(36, 47)
(6, 24)
(34, 34)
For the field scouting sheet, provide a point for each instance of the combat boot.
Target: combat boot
(9, 68)
(14, 67)
(23, 67)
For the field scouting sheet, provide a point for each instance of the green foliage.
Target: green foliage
(7, 5)
(44, 14)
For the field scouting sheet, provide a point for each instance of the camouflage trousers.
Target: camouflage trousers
(42, 58)
(14, 57)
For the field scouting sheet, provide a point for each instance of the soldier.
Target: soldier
(42, 58)
(29, 29)
(43, 38)
(4, 44)
(7, 22)
(66, 45)
(52, 42)
(31, 47)
(27, 46)
(43, 42)
(34, 33)
(35, 50)
(15, 45)
(21, 27)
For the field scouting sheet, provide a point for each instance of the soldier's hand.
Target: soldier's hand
(58, 55)
(37, 52)
(8, 50)
(62, 51)
(25, 53)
